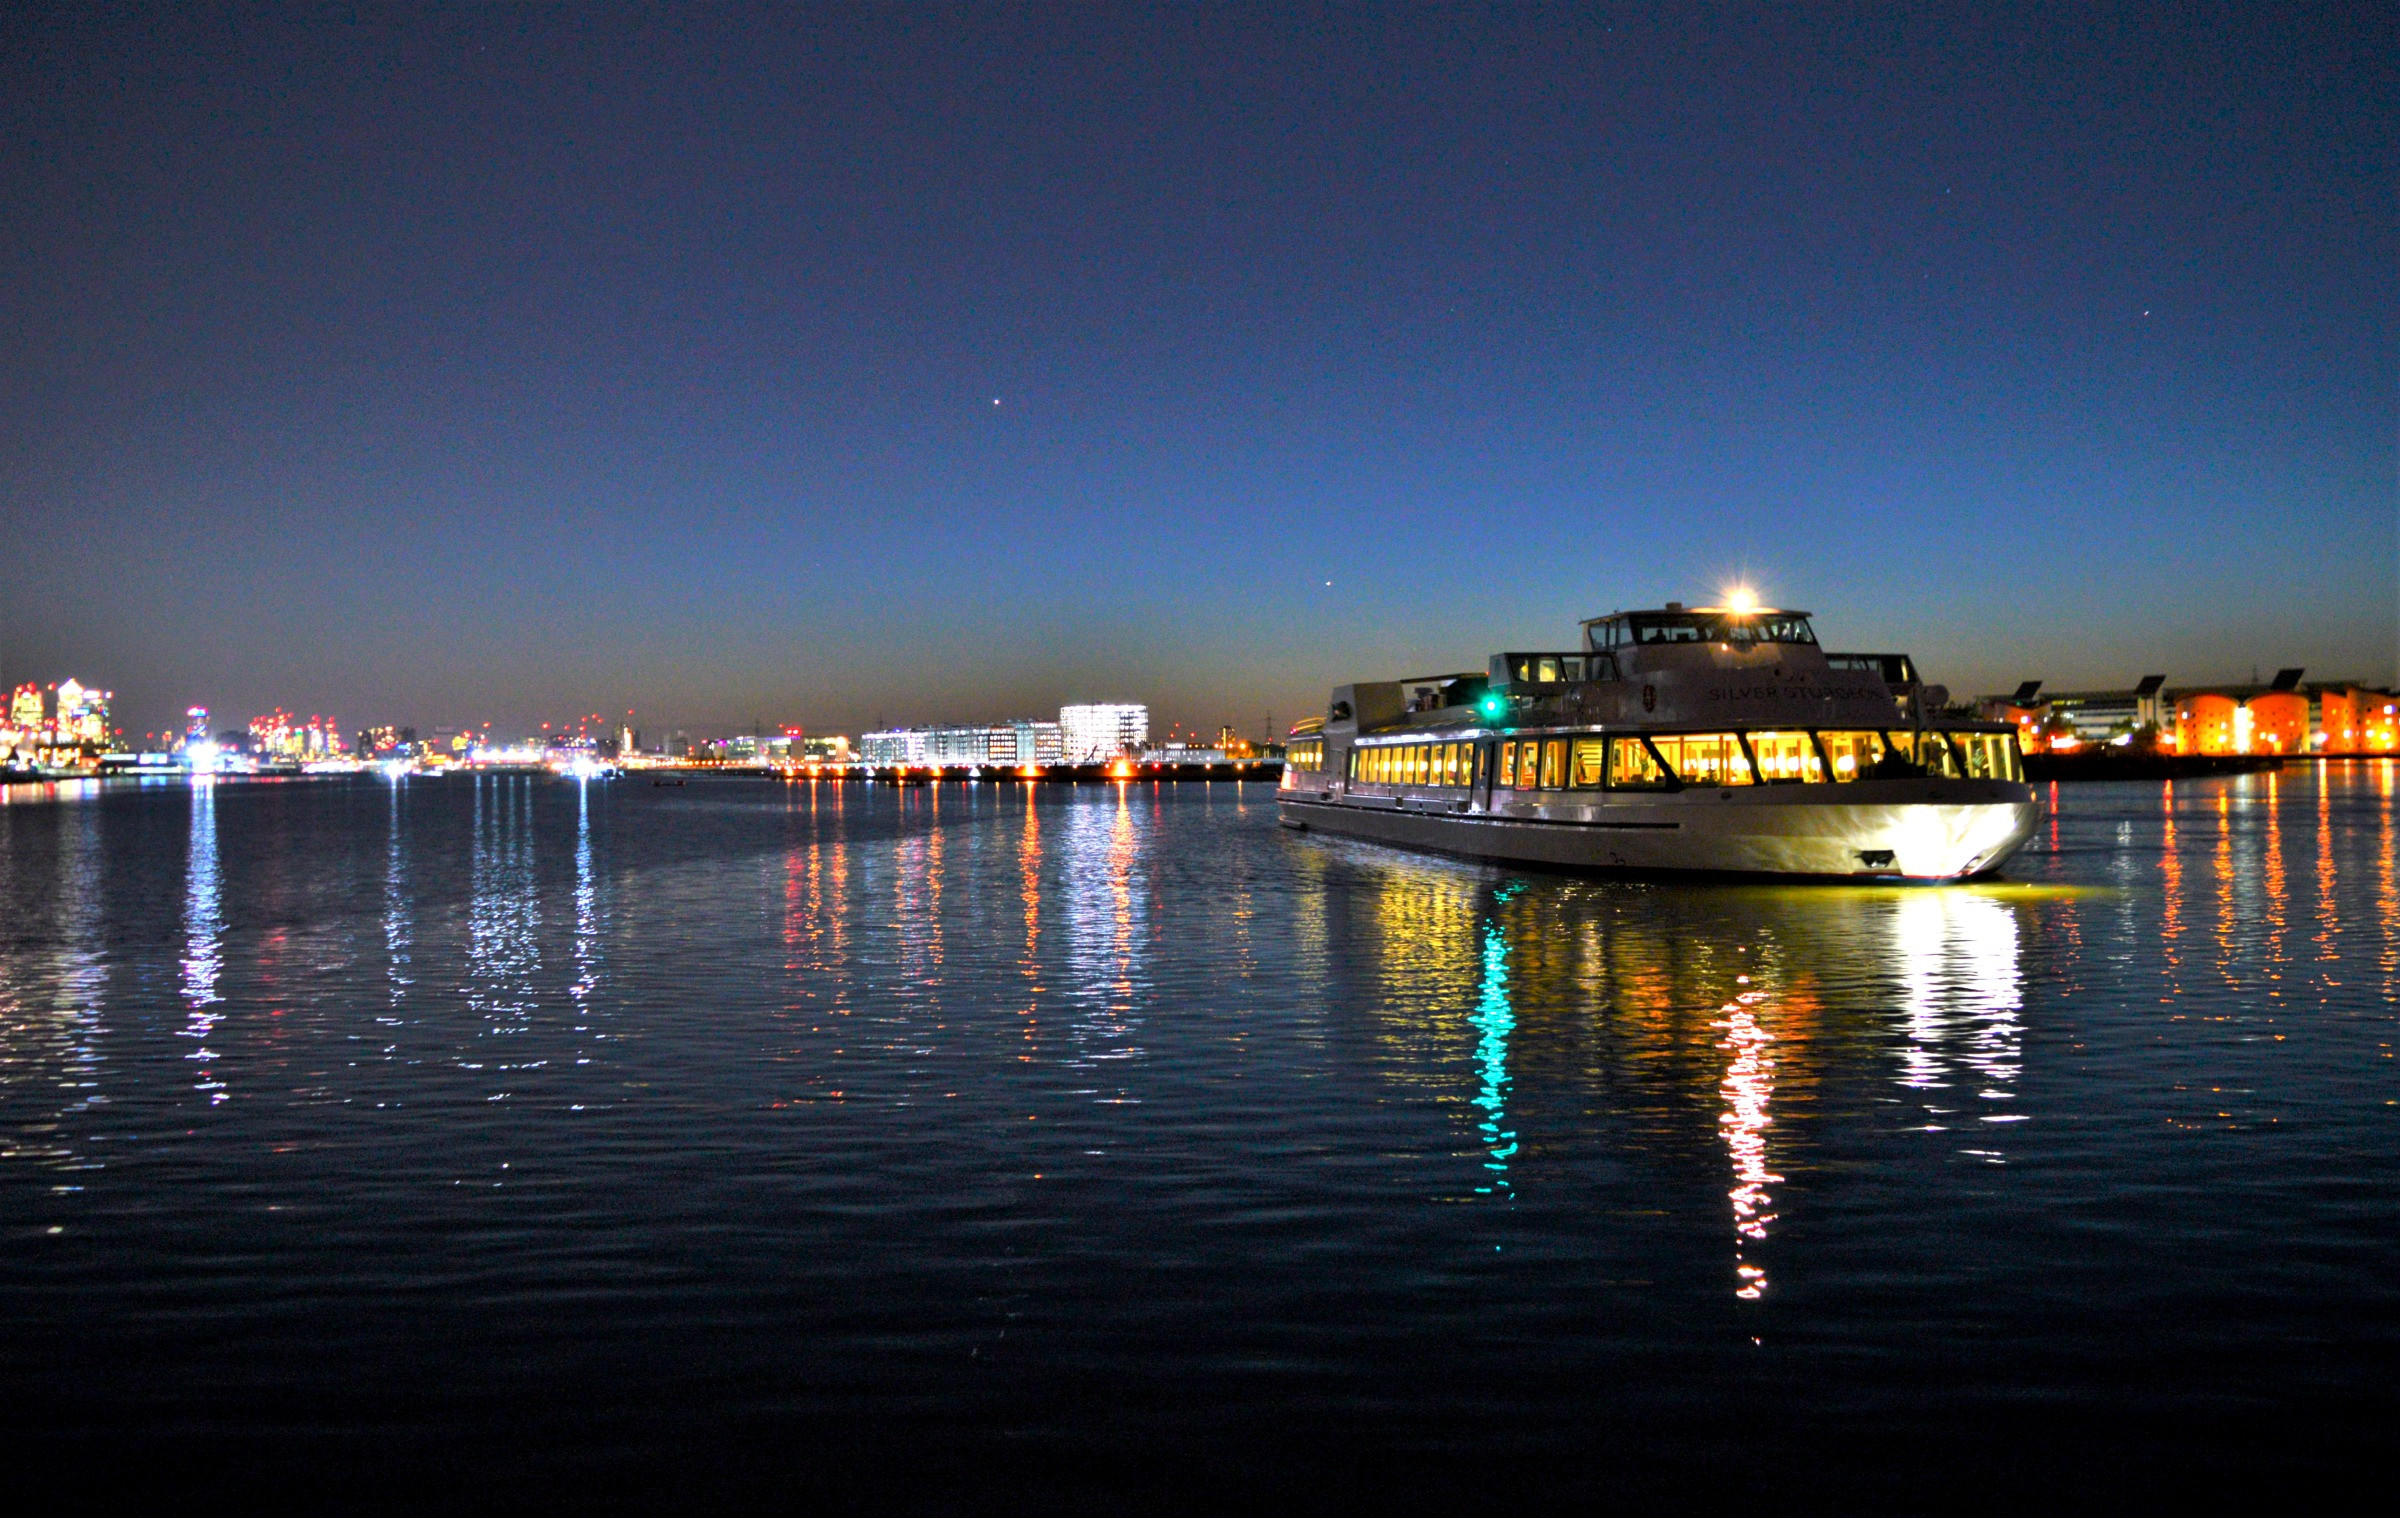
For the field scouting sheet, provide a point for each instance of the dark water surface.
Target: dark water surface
(508, 1139)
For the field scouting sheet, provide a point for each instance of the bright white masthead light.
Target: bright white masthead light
(1741, 599)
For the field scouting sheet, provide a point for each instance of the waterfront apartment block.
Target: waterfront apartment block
(1104, 730)
(981, 743)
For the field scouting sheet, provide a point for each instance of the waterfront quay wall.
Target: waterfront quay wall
(1266, 770)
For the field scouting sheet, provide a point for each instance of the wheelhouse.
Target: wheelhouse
(1736, 626)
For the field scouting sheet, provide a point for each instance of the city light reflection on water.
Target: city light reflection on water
(203, 929)
(1125, 1083)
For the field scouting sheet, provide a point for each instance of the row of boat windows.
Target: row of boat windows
(1796, 757)
(1307, 754)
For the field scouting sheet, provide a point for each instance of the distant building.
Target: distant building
(974, 745)
(2284, 717)
(2287, 717)
(2355, 720)
(894, 746)
(1102, 731)
(82, 714)
(2073, 719)
(25, 709)
(1037, 743)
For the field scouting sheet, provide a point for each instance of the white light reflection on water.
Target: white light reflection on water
(1107, 912)
(52, 1005)
(203, 937)
(583, 992)
(917, 896)
(397, 927)
(82, 971)
(587, 910)
(1963, 997)
(504, 916)
(1747, 1089)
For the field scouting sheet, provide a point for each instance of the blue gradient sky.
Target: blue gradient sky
(438, 366)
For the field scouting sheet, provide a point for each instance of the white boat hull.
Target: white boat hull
(1876, 829)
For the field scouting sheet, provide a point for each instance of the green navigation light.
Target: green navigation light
(1493, 705)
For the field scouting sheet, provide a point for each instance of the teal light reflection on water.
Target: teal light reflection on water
(1494, 1022)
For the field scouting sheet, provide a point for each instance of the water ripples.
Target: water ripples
(1124, 1087)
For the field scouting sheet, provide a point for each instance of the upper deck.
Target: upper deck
(1712, 667)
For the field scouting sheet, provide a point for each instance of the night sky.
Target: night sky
(831, 366)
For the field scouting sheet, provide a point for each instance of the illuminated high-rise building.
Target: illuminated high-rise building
(25, 710)
(272, 737)
(195, 725)
(82, 713)
(1102, 730)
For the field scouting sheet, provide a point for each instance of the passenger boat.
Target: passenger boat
(1717, 739)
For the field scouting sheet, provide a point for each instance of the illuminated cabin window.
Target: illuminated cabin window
(1306, 755)
(1989, 756)
(1853, 755)
(1787, 758)
(1705, 758)
(1588, 767)
(1508, 766)
(1632, 767)
(1554, 764)
(1933, 755)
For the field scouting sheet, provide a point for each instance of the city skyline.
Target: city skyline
(865, 367)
